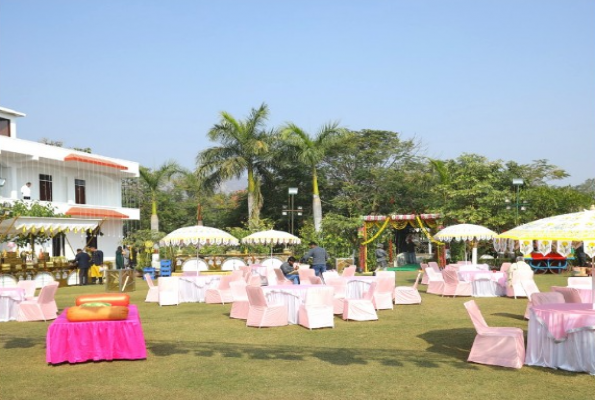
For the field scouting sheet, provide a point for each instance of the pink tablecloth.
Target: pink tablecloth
(75, 342)
(561, 319)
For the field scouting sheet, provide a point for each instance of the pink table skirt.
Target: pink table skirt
(76, 342)
(561, 319)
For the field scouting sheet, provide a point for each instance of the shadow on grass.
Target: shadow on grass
(452, 343)
(335, 356)
(22, 343)
(509, 315)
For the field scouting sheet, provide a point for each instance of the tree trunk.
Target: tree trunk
(316, 205)
(253, 202)
(154, 217)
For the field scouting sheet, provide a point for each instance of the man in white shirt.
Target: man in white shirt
(26, 191)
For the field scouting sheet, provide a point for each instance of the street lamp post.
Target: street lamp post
(290, 209)
(519, 203)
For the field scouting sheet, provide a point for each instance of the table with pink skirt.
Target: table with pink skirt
(9, 303)
(562, 336)
(76, 342)
(291, 295)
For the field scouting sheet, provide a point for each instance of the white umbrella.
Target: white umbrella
(564, 229)
(468, 233)
(271, 238)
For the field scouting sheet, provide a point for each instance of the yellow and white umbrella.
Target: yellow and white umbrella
(468, 233)
(199, 235)
(271, 237)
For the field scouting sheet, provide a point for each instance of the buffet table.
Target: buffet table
(76, 342)
(562, 336)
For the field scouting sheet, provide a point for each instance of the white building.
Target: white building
(82, 185)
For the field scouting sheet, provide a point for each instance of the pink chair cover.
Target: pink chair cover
(349, 271)
(504, 347)
(538, 299)
(571, 295)
(361, 309)
(261, 313)
(505, 266)
(425, 279)
(255, 280)
(153, 293)
(236, 275)
(339, 286)
(281, 279)
(40, 308)
(75, 342)
(221, 294)
(315, 280)
(240, 306)
(453, 287)
(383, 295)
(435, 282)
(530, 289)
(305, 275)
(408, 294)
(29, 287)
(317, 312)
(169, 293)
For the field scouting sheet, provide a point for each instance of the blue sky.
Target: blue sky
(144, 80)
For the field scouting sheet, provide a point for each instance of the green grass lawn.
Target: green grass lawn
(196, 351)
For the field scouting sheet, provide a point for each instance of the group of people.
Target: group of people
(93, 264)
(316, 254)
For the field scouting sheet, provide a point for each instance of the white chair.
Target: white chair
(361, 309)
(329, 275)
(435, 282)
(408, 294)
(40, 308)
(153, 293)
(168, 291)
(29, 287)
(317, 311)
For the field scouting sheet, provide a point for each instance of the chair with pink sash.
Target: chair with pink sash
(240, 306)
(261, 313)
(315, 280)
(339, 286)
(424, 279)
(408, 294)
(383, 296)
(361, 309)
(317, 311)
(530, 289)
(281, 279)
(40, 308)
(435, 282)
(503, 347)
(571, 295)
(153, 293)
(305, 275)
(349, 271)
(29, 287)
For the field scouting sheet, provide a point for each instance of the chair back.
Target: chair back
(571, 295)
(305, 275)
(149, 280)
(386, 274)
(385, 285)
(48, 292)
(29, 287)
(224, 282)
(315, 280)
(238, 290)
(450, 277)
(369, 295)
(530, 288)
(246, 272)
(237, 275)
(256, 296)
(329, 275)
(434, 276)
(417, 281)
(505, 267)
(322, 296)
(255, 280)
(434, 265)
(339, 285)
(547, 298)
(349, 271)
(280, 275)
(478, 321)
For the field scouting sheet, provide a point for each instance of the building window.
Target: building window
(45, 187)
(4, 127)
(80, 196)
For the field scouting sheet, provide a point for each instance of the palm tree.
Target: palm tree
(155, 179)
(311, 151)
(245, 147)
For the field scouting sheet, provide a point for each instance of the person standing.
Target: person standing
(381, 258)
(126, 255)
(83, 261)
(96, 265)
(26, 191)
(410, 250)
(319, 258)
(289, 269)
(579, 254)
(119, 258)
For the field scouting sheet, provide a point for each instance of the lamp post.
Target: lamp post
(290, 209)
(519, 203)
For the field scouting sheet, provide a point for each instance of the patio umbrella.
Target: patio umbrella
(564, 229)
(271, 237)
(468, 233)
(197, 236)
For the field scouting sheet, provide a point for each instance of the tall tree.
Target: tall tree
(155, 180)
(244, 148)
(310, 151)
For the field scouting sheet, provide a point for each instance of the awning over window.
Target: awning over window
(94, 160)
(51, 226)
(95, 213)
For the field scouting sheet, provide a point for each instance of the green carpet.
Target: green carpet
(407, 267)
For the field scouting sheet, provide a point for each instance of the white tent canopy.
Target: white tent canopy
(49, 225)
